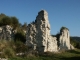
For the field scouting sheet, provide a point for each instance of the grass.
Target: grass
(68, 55)
(10, 49)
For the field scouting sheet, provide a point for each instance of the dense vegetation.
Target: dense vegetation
(62, 28)
(6, 20)
(11, 48)
(75, 43)
(14, 22)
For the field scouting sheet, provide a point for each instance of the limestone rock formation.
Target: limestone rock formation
(64, 39)
(38, 34)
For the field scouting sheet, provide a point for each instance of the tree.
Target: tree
(62, 28)
(5, 21)
(2, 15)
(24, 26)
(15, 22)
(20, 35)
(75, 43)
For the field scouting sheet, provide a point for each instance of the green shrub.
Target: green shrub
(20, 47)
(6, 47)
(75, 43)
(8, 52)
(7, 20)
(20, 36)
(62, 28)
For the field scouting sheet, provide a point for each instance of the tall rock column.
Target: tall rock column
(64, 39)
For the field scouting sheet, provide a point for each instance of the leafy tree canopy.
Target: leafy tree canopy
(7, 20)
(62, 28)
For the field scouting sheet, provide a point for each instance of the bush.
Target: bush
(9, 49)
(6, 48)
(8, 53)
(15, 22)
(62, 28)
(20, 47)
(6, 20)
(75, 43)
(20, 36)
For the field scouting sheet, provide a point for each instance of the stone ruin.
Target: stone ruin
(38, 35)
(6, 32)
(64, 39)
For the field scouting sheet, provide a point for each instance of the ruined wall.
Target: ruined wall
(9, 33)
(64, 39)
(39, 38)
(6, 32)
(38, 34)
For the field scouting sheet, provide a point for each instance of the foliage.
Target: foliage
(8, 52)
(58, 36)
(68, 55)
(15, 22)
(6, 20)
(20, 35)
(6, 48)
(24, 26)
(75, 43)
(9, 49)
(2, 15)
(63, 28)
(20, 47)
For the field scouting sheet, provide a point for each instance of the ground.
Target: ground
(67, 55)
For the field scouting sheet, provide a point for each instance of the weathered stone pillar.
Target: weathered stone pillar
(64, 39)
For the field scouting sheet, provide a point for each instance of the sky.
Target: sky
(60, 12)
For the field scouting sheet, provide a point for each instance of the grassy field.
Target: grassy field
(68, 55)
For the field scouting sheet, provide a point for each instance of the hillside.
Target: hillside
(75, 41)
(76, 38)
